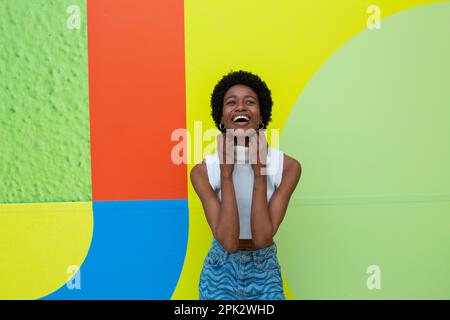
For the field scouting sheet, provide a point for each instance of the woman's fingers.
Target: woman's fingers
(262, 147)
(258, 149)
(253, 149)
(225, 148)
(229, 147)
(219, 140)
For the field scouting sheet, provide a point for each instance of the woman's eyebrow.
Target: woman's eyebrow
(247, 96)
(233, 96)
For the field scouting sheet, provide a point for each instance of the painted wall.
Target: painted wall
(91, 92)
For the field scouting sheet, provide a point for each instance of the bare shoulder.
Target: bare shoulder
(198, 171)
(291, 166)
(200, 182)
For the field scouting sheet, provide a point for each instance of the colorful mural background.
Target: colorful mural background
(87, 113)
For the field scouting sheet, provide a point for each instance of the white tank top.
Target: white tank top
(243, 181)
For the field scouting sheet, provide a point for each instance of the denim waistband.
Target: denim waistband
(259, 253)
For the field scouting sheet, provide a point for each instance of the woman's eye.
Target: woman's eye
(250, 101)
(230, 102)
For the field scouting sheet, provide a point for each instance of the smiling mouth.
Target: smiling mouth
(241, 119)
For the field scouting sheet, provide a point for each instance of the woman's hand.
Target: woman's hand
(258, 153)
(225, 148)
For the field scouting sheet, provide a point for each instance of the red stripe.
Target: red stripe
(137, 98)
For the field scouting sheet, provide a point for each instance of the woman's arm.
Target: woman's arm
(222, 216)
(278, 204)
(261, 222)
(266, 216)
(228, 227)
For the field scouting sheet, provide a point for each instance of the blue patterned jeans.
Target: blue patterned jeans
(241, 275)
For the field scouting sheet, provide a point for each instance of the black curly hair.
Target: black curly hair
(246, 78)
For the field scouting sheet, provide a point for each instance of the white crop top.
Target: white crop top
(243, 181)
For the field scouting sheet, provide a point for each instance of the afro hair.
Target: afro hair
(246, 78)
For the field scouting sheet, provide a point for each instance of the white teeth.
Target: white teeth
(240, 117)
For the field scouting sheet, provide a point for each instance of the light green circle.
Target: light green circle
(372, 132)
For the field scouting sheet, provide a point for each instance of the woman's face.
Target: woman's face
(241, 108)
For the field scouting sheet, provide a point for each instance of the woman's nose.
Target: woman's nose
(240, 105)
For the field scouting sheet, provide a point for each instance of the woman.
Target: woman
(244, 201)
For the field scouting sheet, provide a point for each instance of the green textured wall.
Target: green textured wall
(44, 110)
